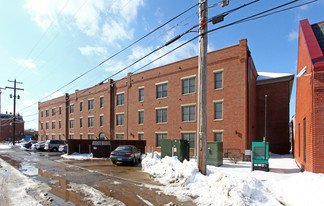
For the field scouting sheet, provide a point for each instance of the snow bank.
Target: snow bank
(77, 156)
(184, 180)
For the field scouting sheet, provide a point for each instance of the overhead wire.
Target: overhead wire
(115, 54)
(252, 17)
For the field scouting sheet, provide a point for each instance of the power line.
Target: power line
(116, 54)
(252, 17)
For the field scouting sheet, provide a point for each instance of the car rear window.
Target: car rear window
(124, 148)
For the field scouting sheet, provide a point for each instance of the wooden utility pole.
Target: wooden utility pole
(202, 87)
(14, 108)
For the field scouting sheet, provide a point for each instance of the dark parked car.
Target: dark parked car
(29, 144)
(40, 146)
(63, 148)
(53, 145)
(126, 153)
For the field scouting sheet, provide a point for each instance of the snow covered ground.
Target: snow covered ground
(235, 184)
(230, 184)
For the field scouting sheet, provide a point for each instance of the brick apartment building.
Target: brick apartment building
(6, 127)
(162, 102)
(309, 119)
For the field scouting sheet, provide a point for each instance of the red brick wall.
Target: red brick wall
(233, 61)
(42, 107)
(6, 129)
(304, 108)
(318, 122)
(277, 116)
(252, 103)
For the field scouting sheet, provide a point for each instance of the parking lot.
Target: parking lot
(122, 182)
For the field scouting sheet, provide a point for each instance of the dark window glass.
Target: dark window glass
(218, 136)
(162, 90)
(218, 78)
(120, 99)
(189, 85)
(141, 117)
(141, 94)
(188, 113)
(159, 138)
(218, 107)
(161, 115)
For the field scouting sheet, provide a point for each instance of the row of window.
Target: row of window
(90, 107)
(188, 87)
(90, 123)
(188, 114)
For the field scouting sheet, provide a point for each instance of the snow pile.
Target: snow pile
(5, 146)
(93, 196)
(77, 156)
(184, 180)
(301, 189)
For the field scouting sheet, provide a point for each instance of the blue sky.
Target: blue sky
(47, 43)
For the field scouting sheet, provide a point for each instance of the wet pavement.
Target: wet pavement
(122, 182)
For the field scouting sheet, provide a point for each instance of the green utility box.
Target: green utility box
(260, 156)
(175, 147)
(215, 153)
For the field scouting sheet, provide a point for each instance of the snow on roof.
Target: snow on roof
(271, 75)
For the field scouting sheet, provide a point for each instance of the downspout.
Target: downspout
(247, 146)
(112, 109)
(127, 108)
(67, 106)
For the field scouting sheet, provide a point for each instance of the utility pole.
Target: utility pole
(14, 108)
(202, 87)
(202, 82)
(0, 114)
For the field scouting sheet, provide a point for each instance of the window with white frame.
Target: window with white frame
(101, 121)
(140, 117)
(218, 110)
(81, 136)
(47, 125)
(81, 106)
(90, 122)
(81, 122)
(190, 137)
(119, 119)
(90, 104)
(53, 125)
(101, 102)
(53, 136)
(71, 108)
(161, 90)
(119, 136)
(47, 113)
(90, 136)
(218, 79)
(189, 85)
(141, 94)
(188, 113)
(60, 124)
(120, 99)
(140, 136)
(162, 115)
(71, 123)
(159, 137)
(218, 136)
(53, 111)
(71, 136)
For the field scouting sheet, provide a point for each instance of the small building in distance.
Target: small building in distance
(309, 119)
(6, 127)
(161, 103)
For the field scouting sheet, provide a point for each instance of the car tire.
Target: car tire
(114, 162)
(54, 149)
(134, 161)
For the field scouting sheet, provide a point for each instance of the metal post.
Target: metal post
(202, 82)
(152, 152)
(79, 149)
(265, 118)
(89, 148)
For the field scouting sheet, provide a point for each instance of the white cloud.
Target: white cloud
(26, 63)
(90, 51)
(84, 14)
(112, 32)
(293, 35)
(55, 95)
(87, 16)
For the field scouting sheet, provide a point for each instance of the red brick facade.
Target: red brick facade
(234, 96)
(6, 129)
(309, 121)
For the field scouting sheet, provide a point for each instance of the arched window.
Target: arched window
(101, 136)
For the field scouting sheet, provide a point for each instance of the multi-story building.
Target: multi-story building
(309, 119)
(6, 127)
(162, 103)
